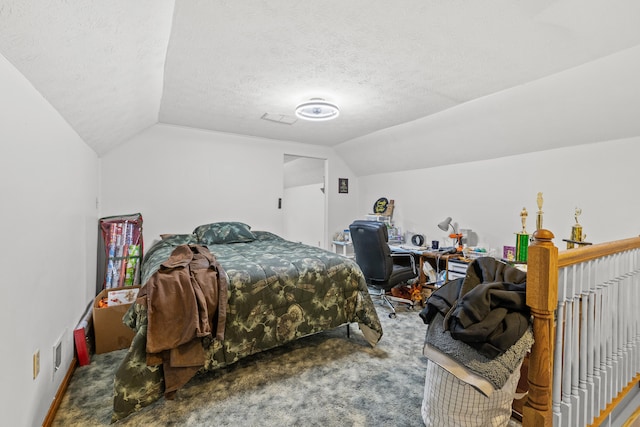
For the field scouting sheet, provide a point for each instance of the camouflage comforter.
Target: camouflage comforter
(279, 291)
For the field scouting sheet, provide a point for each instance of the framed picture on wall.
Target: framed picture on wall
(343, 185)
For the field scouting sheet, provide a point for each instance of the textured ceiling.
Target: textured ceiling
(114, 68)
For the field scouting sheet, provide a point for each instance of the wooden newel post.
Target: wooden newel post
(542, 299)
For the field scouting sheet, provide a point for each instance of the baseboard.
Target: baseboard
(634, 419)
(606, 414)
(61, 391)
(629, 416)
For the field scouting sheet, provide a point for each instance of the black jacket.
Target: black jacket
(487, 309)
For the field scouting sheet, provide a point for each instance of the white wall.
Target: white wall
(488, 196)
(179, 178)
(49, 187)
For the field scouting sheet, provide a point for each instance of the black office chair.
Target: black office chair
(382, 269)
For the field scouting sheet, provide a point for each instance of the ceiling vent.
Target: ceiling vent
(279, 118)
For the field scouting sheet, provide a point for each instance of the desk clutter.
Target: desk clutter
(437, 263)
(436, 267)
(463, 243)
(439, 266)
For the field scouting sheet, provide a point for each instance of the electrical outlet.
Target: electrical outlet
(36, 364)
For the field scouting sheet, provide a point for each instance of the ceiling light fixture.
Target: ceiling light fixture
(317, 109)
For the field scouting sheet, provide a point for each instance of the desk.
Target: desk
(438, 260)
(457, 268)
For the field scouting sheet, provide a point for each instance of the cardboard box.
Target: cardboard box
(110, 333)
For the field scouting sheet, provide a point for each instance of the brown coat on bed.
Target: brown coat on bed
(186, 301)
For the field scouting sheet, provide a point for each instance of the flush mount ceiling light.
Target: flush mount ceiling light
(317, 109)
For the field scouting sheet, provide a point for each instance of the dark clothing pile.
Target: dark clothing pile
(486, 309)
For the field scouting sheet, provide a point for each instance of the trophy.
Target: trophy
(522, 241)
(539, 214)
(576, 232)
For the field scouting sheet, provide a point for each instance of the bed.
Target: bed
(278, 291)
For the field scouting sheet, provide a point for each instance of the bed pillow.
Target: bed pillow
(224, 232)
(266, 235)
(180, 239)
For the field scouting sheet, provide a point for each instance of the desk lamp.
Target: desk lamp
(444, 226)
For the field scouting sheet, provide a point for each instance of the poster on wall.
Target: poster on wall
(343, 185)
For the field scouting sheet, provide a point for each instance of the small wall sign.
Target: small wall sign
(343, 185)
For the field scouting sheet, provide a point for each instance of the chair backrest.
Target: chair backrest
(371, 249)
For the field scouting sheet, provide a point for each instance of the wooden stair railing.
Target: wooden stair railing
(544, 260)
(542, 299)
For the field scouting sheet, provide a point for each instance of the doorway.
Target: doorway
(304, 203)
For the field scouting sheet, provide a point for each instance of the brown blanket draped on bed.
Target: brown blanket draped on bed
(186, 301)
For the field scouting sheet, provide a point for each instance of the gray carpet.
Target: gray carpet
(321, 380)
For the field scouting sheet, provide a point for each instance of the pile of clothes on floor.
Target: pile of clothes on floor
(479, 332)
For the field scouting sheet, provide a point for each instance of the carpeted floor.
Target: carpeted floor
(321, 380)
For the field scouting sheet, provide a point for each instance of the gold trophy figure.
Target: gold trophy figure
(577, 238)
(576, 231)
(523, 218)
(539, 214)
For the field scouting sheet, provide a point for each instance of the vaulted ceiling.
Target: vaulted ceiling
(114, 68)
